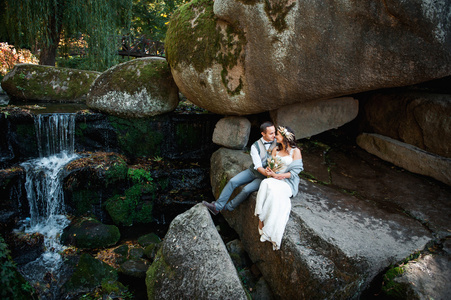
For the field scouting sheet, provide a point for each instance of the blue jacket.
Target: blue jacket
(294, 168)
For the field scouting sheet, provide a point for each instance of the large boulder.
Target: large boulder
(137, 88)
(315, 117)
(232, 132)
(335, 244)
(244, 57)
(88, 233)
(407, 156)
(47, 83)
(417, 118)
(193, 262)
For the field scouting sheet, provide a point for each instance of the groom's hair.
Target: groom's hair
(265, 125)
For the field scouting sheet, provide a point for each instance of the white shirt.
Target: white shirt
(255, 156)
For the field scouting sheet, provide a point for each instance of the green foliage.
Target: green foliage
(44, 23)
(13, 285)
(137, 137)
(150, 18)
(139, 176)
(129, 208)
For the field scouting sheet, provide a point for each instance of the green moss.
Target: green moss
(90, 273)
(45, 82)
(137, 137)
(222, 184)
(248, 2)
(159, 266)
(277, 12)
(116, 172)
(202, 43)
(149, 239)
(156, 71)
(26, 131)
(394, 289)
(129, 208)
(83, 200)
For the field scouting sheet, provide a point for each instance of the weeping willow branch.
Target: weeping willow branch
(42, 25)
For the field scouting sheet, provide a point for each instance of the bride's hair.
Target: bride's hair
(289, 139)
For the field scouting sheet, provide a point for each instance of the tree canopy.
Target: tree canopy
(42, 25)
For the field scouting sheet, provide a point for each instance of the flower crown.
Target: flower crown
(285, 133)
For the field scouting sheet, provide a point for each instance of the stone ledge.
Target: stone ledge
(407, 156)
(334, 244)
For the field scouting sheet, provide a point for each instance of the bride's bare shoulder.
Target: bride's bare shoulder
(297, 153)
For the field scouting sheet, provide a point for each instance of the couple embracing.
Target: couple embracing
(276, 164)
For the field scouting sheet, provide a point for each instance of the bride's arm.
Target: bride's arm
(297, 154)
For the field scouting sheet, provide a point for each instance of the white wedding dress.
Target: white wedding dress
(273, 205)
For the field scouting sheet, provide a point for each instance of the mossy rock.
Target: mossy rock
(47, 83)
(89, 273)
(136, 253)
(151, 250)
(88, 233)
(128, 209)
(149, 239)
(134, 268)
(135, 89)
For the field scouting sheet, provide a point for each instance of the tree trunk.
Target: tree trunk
(48, 55)
(48, 49)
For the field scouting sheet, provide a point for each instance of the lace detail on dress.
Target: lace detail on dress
(286, 160)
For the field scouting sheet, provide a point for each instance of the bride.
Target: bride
(273, 199)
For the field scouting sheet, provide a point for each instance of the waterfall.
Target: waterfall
(55, 136)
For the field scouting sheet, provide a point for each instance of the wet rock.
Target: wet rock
(245, 57)
(308, 119)
(88, 233)
(26, 247)
(89, 273)
(136, 252)
(151, 243)
(417, 118)
(135, 89)
(134, 268)
(407, 156)
(46, 83)
(237, 254)
(151, 251)
(12, 281)
(193, 262)
(232, 132)
(425, 277)
(262, 291)
(13, 202)
(149, 239)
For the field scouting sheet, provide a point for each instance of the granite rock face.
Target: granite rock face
(334, 245)
(407, 156)
(417, 118)
(245, 57)
(318, 116)
(232, 132)
(135, 89)
(193, 262)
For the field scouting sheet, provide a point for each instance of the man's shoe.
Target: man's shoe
(211, 207)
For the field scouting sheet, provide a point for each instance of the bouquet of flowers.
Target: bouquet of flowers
(275, 164)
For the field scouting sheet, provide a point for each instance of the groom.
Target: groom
(253, 176)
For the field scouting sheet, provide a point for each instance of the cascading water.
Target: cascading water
(55, 136)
